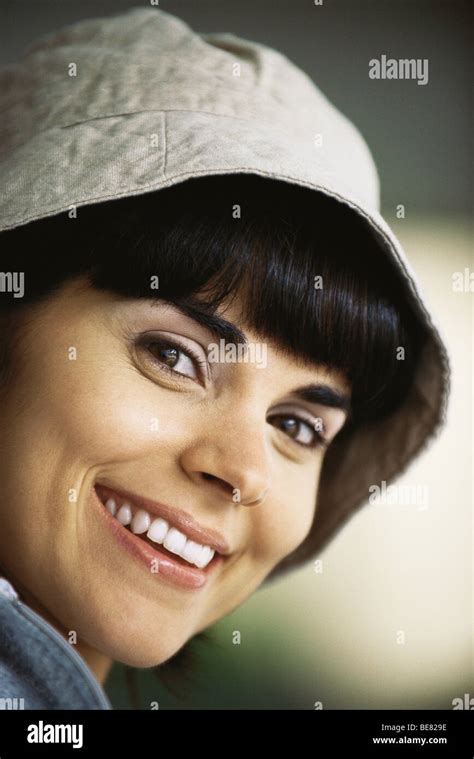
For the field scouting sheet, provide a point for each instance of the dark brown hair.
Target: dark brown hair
(241, 235)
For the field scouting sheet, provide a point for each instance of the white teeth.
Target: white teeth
(124, 514)
(175, 541)
(191, 552)
(158, 530)
(206, 555)
(141, 522)
(111, 506)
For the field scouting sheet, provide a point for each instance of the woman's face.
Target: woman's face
(115, 402)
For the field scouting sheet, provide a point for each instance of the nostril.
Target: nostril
(222, 484)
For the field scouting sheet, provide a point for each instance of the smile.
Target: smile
(159, 531)
(169, 538)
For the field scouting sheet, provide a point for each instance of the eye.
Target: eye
(299, 430)
(171, 357)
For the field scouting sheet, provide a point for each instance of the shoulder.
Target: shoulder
(17, 687)
(38, 668)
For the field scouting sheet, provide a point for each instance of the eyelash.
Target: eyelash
(319, 440)
(168, 343)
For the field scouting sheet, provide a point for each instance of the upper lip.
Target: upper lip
(176, 517)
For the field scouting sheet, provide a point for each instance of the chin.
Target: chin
(136, 646)
(126, 628)
(146, 658)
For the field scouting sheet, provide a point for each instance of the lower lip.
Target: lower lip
(158, 564)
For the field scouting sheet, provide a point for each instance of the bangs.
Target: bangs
(307, 272)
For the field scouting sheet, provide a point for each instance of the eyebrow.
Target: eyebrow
(323, 394)
(221, 328)
(217, 325)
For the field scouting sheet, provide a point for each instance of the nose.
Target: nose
(235, 466)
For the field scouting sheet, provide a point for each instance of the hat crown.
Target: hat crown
(149, 61)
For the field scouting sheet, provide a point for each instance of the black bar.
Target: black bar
(314, 734)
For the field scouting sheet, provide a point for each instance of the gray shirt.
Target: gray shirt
(38, 668)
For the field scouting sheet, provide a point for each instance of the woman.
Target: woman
(213, 316)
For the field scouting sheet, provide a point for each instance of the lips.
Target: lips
(165, 539)
(176, 518)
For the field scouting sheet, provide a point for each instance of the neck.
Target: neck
(99, 664)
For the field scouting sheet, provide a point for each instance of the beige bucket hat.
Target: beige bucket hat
(124, 105)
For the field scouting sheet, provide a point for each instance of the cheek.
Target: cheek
(103, 411)
(285, 519)
(110, 416)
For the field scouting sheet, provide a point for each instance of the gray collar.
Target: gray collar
(38, 668)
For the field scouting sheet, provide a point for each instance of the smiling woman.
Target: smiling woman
(163, 487)
(162, 449)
